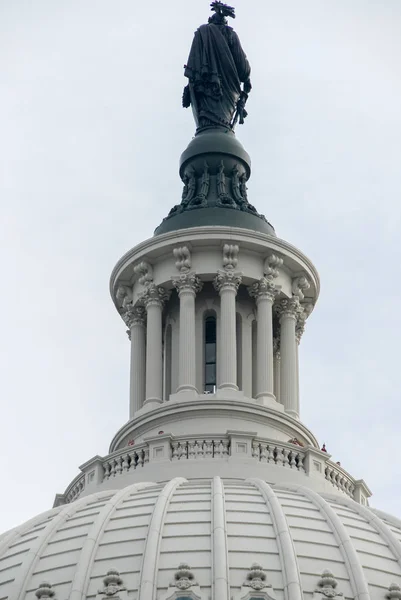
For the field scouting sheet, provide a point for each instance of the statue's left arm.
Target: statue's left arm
(241, 61)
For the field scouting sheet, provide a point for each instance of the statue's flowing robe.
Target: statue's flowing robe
(216, 67)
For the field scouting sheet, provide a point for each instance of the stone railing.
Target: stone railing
(123, 461)
(231, 446)
(200, 448)
(75, 488)
(282, 455)
(339, 478)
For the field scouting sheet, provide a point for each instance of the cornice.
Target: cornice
(172, 411)
(193, 234)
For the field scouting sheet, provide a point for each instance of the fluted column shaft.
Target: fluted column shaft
(187, 286)
(137, 331)
(276, 371)
(227, 283)
(154, 299)
(289, 310)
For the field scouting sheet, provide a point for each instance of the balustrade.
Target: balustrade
(266, 451)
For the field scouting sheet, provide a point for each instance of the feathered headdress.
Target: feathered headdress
(223, 9)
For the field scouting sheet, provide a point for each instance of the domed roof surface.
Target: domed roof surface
(215, 530)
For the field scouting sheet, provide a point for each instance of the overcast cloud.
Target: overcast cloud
(91, 133)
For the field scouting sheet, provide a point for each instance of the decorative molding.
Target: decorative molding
(187, 282)
(227, 280)
(394, 592)
(145, 272)
(113, 587)
(271, 266)
(263, 289)
(45, 591)
(326, 586)
(300, 326)
(182, 259)
(230, 256)
(299, 286)
(256, 580)
(189, 180)
(154, 296)
(134, 315)
(288, 307)
(124, 296)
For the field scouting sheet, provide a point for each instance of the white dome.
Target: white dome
(218, 527)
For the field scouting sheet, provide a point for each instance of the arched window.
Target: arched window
(210, 354)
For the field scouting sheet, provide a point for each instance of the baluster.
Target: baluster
(125, 462)
(279, 456)
(191, 450)
(208, 449)
(226, 447)
(286, 461)
(113, 468)
(119, 467)
(255, 450)
(106, 470)
(219, 449)
(197, 449)
(300, 462)
(145, 453)
(270, 456)
(293, 462)
(263, 452)
(174, 446)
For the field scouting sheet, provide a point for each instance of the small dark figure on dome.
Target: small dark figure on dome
(217, 65)
(323, 448)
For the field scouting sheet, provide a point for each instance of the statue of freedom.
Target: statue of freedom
(217, 65)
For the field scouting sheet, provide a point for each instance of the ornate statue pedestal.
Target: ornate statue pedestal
(214, 170)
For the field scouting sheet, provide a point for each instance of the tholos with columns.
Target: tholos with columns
(264, 292)
(227, 283)
(289, 311)
(154, 298)
(135, 319)
(187, 285)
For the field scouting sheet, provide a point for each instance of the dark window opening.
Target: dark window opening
(210, 354)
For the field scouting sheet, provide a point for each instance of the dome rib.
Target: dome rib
(355, 571)
(35, 552)
(82, 575)
(220, 570)
(287, 554)
(150, 561)
(382, 529)
(13, 534)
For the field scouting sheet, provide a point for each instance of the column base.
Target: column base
(228, 386)
(151, 403)
(268, 399)
(293, 414)
(186, 388)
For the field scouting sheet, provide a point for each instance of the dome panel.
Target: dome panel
(217, 527)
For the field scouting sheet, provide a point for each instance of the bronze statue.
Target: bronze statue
(217, 65)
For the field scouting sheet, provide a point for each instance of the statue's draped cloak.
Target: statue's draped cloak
(216, 67)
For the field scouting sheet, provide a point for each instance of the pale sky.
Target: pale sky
(91, 132)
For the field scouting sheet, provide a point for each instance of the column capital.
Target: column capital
(134, 315)
(288, 308)
(187, 282)
(301, 320)
(227, 280)
(154, 295)
(264, 289)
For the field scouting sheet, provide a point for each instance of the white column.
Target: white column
(247, 357)
(188, 284)
(154, 299)
(264, 291)
(276, 368)
(289, 310)
(135, 319)
(227, 283)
